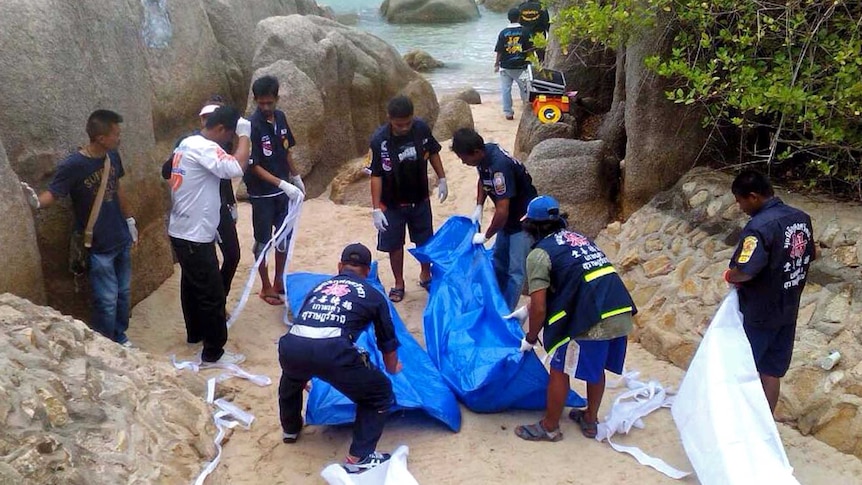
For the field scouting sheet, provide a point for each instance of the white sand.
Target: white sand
(485, 451)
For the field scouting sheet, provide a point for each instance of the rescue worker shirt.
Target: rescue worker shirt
(512, 46)
(80, 177)
(270, 143)
(504, 177)
(199, 165)
(225, 187)
(348, 302)
(776, 247)
(402, 163)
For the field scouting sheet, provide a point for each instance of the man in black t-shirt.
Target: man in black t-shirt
(535, 20)
(512, 47)
(79, 176)
(400, 152)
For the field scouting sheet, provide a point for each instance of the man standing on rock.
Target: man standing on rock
(512, 46)
(580, 301)
(320, 344)
(769, 269)
(109, 262)
(199, 165)
(400, 152)
(509, 185)
(272, 179)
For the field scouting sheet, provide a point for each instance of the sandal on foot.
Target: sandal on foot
(396, 294)
(537, 432)
(590, 430)
(426, 284)
(273, 300)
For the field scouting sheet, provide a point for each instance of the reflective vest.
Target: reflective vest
(585, 288)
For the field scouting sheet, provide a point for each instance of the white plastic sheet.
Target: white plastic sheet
(721, 411)
(393, 472)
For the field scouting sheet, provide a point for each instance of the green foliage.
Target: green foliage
(787, 72)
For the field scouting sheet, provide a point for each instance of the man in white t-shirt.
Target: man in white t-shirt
(198, 166)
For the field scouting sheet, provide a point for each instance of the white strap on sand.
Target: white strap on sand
(278, 240)
(232, 370)
(629, 407)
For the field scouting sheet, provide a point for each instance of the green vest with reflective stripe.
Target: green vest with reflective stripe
(585, 288)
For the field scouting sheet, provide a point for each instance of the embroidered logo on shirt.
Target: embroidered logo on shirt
(749, 244)
(499, 183)
(267, 146)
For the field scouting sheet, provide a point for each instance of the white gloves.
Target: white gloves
(297, 181)
(476, 216)
(32, 197)
(234, 213)
(380, 222)
(442, 189)
(243, 128)
(133, 229)
(521, 314)
(293, 192)
(526, 346)
(479, 238)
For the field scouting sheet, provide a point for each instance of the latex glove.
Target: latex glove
(526, 346)
(292, 191)
(133, 229)
(380, 222)
(442, 189)
(476, 216)
(32, 197)
(297, 181)
(479, 238)
(521, 314)
(234, 213)
(243, 128)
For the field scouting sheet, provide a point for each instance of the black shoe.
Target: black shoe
(289, 438)
(372, 460)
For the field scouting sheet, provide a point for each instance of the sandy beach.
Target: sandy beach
(485, 451)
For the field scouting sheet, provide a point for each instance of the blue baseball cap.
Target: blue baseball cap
(542, 208)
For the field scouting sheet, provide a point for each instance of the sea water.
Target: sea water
(466, 49)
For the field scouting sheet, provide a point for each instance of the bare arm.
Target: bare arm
(46, 198)
(123, 200)
(390, 360)
(291, 166)
(262, 174)
(376, 191)
(501, 214)
(437, 165)
(538, 311)
(735, 276)
(480, 193)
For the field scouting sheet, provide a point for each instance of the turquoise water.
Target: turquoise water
(467, 48)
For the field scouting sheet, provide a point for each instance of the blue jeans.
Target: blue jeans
(507, 76)
(510, 264)
(111, 281)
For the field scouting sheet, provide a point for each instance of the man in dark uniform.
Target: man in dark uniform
(769, 269)
(320, 344)
(271, 179)
(400, 152)
(509, 185)
(580, 301)
(511, 62)
(535, 20)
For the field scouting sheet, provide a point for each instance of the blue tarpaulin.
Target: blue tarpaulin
(418, 386)
(474, 347)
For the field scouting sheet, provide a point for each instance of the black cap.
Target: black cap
(356, 253)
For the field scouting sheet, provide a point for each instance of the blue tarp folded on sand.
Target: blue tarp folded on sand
(474, 347)
(418, 386)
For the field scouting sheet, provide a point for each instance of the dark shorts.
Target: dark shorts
(416, 218)
(592, 358)
(267, 215)
(772, 348)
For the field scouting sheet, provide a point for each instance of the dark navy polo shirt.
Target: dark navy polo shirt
(504, 177)
(402, 163)
(776, 248)
(512, 46)
(269, 145)
(348, 302)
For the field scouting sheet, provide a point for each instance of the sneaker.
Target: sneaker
(228, 358)
(372, 460)
(289, 437)
(510, 117)
(128, 344)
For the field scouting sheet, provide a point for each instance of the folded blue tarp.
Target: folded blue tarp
(418, 386)
(474, 347)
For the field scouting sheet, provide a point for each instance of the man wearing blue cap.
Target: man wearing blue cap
(579, 300)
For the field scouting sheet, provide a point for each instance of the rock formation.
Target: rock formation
(421, 61)
(428, 11)
(454, 114)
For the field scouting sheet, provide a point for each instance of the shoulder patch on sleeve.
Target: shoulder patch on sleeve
(499, 183)
(749, 244)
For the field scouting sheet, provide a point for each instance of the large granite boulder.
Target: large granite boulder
(428, 11)
(421, 61)
(499, 6)
(531, 132)
(335, 83)
(454, 114)
(577, 174)
(22, 265)
(76, 408)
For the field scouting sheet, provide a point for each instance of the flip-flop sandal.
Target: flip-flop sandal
(590, 430)
(396, 294)
(426, 284)
(273, 300)
(537, 432)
